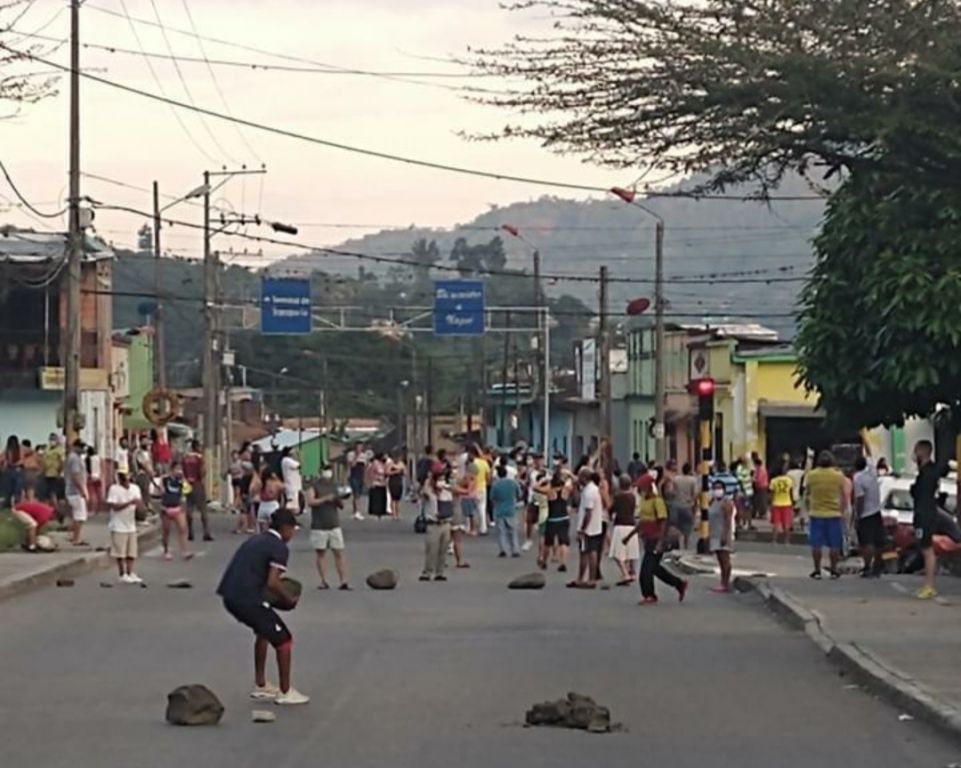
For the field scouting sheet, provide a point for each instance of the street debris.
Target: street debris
(179, 584)
(383, 579)
(577, 712)
(262, 716)
(529, 581)
(64, 582)
(905, 718)
(193, 705)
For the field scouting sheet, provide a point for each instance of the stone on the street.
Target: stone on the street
(383, 579)
(577, 712)
(193, 705)
(529, 581)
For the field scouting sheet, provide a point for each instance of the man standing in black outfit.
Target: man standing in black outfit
(925, 494)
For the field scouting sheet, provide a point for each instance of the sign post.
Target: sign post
(459, 308)
(285, 307)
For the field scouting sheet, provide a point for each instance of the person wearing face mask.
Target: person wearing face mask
(720, 525)
(323, 498)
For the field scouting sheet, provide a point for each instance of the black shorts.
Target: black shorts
(924, 528)
(262, 619)
(197, 498)
(871, 531)
(589, 544)
(533, 514)
(557, 533)
(54, 488)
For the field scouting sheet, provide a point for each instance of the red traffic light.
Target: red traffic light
(703, 387)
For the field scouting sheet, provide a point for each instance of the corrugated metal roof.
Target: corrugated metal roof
(27, 246)
(286, 438)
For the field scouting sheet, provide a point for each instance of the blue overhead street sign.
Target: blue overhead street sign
(459, 308)
(285, 306)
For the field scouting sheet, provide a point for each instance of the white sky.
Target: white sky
(135, 140)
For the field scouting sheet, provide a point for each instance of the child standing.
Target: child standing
(174, 489)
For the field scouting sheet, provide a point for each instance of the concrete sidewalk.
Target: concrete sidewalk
(875, 629)
(22, 572)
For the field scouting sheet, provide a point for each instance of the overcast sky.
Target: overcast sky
(134, 140)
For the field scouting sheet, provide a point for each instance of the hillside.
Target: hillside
(743, 240)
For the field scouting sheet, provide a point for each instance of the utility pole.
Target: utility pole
(660, 444)
(71, 389)
(604, 342)
(325, 432)
(540, 328)
(502, 437)
(211, 356)
(430, 400)
(159, 353)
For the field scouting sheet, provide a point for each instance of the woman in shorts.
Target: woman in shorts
(781, 489)
(720, 525)
(557, 530)
(272, 488)
(173, 493)
(395, 483)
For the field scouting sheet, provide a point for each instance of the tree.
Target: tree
(880, 327)
(21, 81)
(471, 259)
(748, 90)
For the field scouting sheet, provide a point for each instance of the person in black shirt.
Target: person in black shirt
(256, 567)
(925, 494)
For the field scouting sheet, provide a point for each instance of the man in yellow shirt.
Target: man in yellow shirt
(782, 505)
(482, 482)
(825, 492)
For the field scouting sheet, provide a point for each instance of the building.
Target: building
(33, 325)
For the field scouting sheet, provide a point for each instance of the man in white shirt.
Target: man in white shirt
(293, 481)
(590, 529)
(123, 498)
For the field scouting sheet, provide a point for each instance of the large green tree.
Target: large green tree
(745, 89)
(880, 329)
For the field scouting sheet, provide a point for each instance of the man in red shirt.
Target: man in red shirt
(193, 468)
(33, 515)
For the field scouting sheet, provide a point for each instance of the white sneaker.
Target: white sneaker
(293, 696)
(265, 692)
(133, 578)
(527, 545)
(124, 579)
(358, 516)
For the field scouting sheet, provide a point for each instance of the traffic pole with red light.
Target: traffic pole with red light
(704, 389)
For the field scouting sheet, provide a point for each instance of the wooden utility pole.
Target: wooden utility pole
(211, 357)
(502, 437)
(660, 429)
(160, 366)
(73, 319)
(604, 344)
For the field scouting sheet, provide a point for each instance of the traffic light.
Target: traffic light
(704, 389)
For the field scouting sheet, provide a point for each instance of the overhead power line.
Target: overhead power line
(26, 203)
(475, 172)
(714, 279)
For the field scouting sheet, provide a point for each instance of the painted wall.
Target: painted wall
(140, 379)
(30, 414)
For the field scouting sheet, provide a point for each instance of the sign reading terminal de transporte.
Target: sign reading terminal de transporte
(285, 306)
(458, 308)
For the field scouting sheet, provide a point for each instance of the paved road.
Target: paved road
(430, 675)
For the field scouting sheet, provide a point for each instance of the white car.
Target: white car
(897, 504)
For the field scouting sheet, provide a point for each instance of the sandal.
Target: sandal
(463, 565)
(625, 582)
(816, 575)
(835, 575)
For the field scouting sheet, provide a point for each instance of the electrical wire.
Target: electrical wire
(183, 82)
(216, 82)
(435, 165)
(163, 92)
(715, 278)
(24, 201)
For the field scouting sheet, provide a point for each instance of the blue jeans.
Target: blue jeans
(507, 535)
(13, 484)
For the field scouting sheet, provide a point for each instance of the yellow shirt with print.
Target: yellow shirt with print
(651, 510)
(781, 491)
(825, 485)
(483, 473)
(53, 459)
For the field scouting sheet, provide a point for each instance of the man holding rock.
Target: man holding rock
(256, 568)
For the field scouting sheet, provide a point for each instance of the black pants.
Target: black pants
(651, 567)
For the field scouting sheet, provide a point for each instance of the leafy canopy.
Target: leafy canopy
(747, 88)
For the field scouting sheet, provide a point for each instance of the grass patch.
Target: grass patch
(11, 531)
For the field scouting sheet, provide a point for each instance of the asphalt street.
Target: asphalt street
(430, 675)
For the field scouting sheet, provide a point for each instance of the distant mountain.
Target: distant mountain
(729, 245)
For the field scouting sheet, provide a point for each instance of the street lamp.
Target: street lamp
(543, 331)
(629, 196)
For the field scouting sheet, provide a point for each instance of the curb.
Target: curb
(867, 668)
(80, 566)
